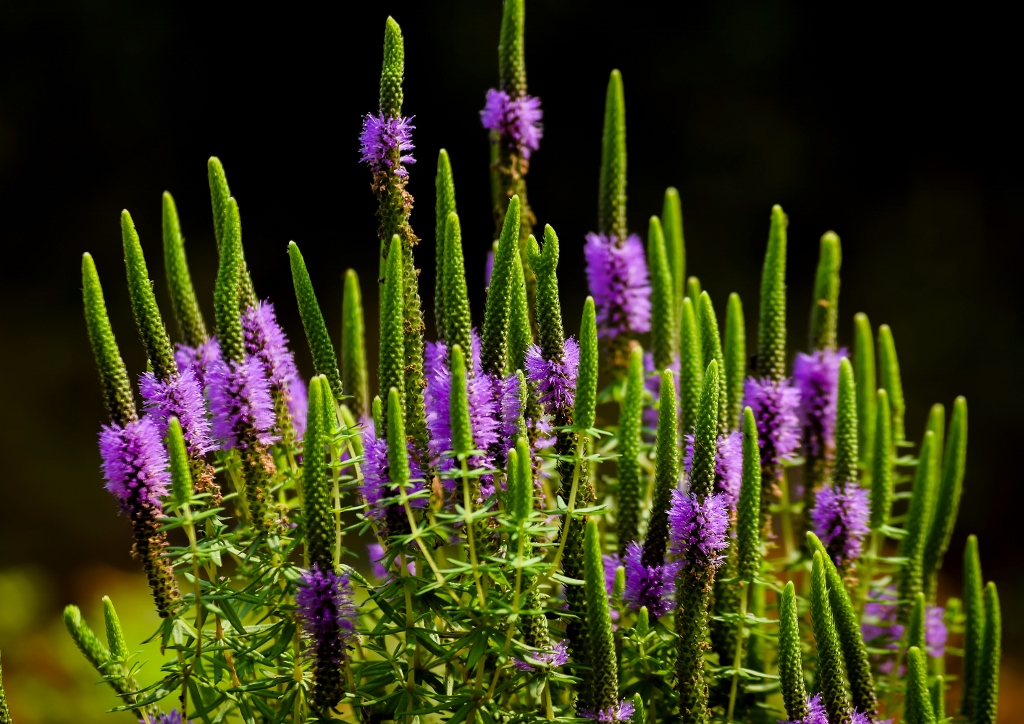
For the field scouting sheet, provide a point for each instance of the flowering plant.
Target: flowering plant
(477, 543)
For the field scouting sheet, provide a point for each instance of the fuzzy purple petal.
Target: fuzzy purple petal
(266, 342)
(620, 284)
(651, 586)
(816, 376)
(376, 486)
(555, 379)
(240, 402)
(552, 658)
(699, 530)
(380, 137)
(775, 410)
(181, 397)
(621, 713)
(199, 358)
(135, 466)
(516, 121)
(840, 517)
(327, 612)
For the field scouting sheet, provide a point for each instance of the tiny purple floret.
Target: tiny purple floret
(555, 379)
(379, 139)
(699, 530)
(180, 397)
(651, 586)
(135, 466)
(239, 395)
(728, 464)
(327, 612)
(266, 341)
(516, 121)
(816, 376)
(840, 517)
(774, 406)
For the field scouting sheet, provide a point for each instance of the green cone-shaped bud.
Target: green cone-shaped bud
(639, 712)
(520, 335)
(604, 668)
(693, 290)
(184, 303)
(711, 346)
(227, 291)
(771, 329)
(987, 707)
(181, 476)
(675, 246)
(392, 71)
(832, 673)
(444, 204)
(891, 383)
(521, 497)
(867, 384)
(117, 388)
(938, 692)
(881, 463)
(115, 635)
(456, 298)
(144, 307)
(666, 474)
(511, 49)
(544, 262)
(663, 316)
(631, 482)
(586, 379)
(845, 468)
(325, 361)
(611, 202)
(219, 195)
(377, 410)
(391, 372)
(316, 488)
(916, 628)
(974, 627)
(735, 358)
(5, 712)
(748, 510)
(398, 454)
(494, 345)
(947, 504)
(825, 305)
(937, 425)
(354, 371)
(919, 516)
(917, 707)
(791, 671)
(705, 441)
(691, 367)
(88, 643)
(462, 433)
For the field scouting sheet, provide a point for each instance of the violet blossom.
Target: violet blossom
(552, 658)
(880, 629)
(180, 397)
(816, 376)
(555, 379)
(620, 284)
(728, 464)
(621, 713)
(377, 488)
(840, 517)
(379, 140)
(516, 121)
(240, 402)
(698, 529)
(198, 358)
(651, 586)
(135, 466)
(774, 405)
(266, 342)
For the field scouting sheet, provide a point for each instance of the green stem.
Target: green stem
(738, 658)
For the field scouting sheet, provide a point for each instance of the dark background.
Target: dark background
(895, 130)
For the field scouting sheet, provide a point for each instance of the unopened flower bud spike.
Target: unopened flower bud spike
(354, 370)
(867, 385)
(520, 334)
(663, 315)
(919, 516)
(611, 205)
(325, 361)
(916, 623)
(890, 373)
(986, 709)
(791, 672)
(881, 463)
(444, 204)
(771, 330)
(825, 304)
(185, 305)
(675, 245)
(631, 480)
(947, 503)
(711, 347)
(391, 370)
(666, 475)
(494, 343)
(748, 520)
(457, 315)
(604, 668)
(974, 628)
(224, 218)
(586, 381)
(691, 367)
(316, 490)
(144, 307)
(832, 674)
(181, 476)
(735, 356)
(917, 701)
(228, 284)
(705, 444)
(5, 712)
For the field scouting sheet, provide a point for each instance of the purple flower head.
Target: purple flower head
(516, 121)
(265, 341)
(935, 633)
(379, 139)
(551, 659)
(622, 712)
(555, 379)
(239, 395)
(619, 282)
(328, 614)
(172, 717)
(181, 397)
(840, 518)
(651, 586)
(376, 487)
(135, 466)
(728, 464)
(816, 375)
(774, 406)
(198, 358)
(611, 563)
(699, 530)
(377, 557)
(815, 712)
(880, 629)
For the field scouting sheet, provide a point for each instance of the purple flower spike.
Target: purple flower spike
(173, 717)
(243, 411)
(935, 632)
(621, 713)
(135, 467)
(266, 342)
(619, 282)
(728, 464)
(880, 629)
(699, 530)
(181, 397)
(555, 380)
(816, 375)
(379, 139)
(840, 518)
(376, 487)
(199, 358)
(506, 391)
(774, 406)
(553, 658)
(815, 712)
(324, 602)
(651, 586)
(516, 121)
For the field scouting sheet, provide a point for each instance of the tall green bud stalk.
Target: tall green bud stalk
(532, 627)
(919, 518)
(184, 303)
(666, 474)
(325, 361)
(391, 364)
(974, 627)
(891, 382)
(631, 479)
(316, 488)
(735, 358)
(5, 712)
(867, 385)
(354, 371)
(691, 371)
(791, 672)
(832, 670)
(604, 666)
(663, 313)
(917, 708)
(144, 307)
(987, 706)
(459, 329)
(444, 204)
(947, 503)
(675, 246)
(114, 382)
(711, 346)
(494, 342)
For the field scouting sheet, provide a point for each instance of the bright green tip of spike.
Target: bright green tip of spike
(325, 361)
(181, 475)
(462, 433)
(586, 380)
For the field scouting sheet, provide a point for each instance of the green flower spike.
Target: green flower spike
(675, 245)
(117, 388)
(391, 373)
(88, 643)
(354, 370)
(748, 510)
(693, 293)
(693, 290)
(444, 204)
(181, 476)
(398, 454)
(533, 627)
(586, 379)
(916, 627)
(791, 672)
(666, 474)
(947, 503)
(456, 298)
(5, 713)
(115, 636)
(631, 482)
(891, 383)
(392, 70)
(864, 373)
(147, 314)
(917, 707)
(881, 463)
(544, 262)
(735, 358)
(520, 334)
(986, 710)
(611, 205)
(377, 411)
(325, 361)
(663, 315)
(691, 368)
(771, 329)
(974, 627)
(316, 488)
(462, 433)
(224, 218)
(494, 345)
(919, 515)
(844, 470)
(825, 305)
(938, 692)
(189, 317)
(639, 712)
(511, 49)
(937, 424)
(604, 668)
(705, 441)
(228, 286)
(711, 346)
(832, 674)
